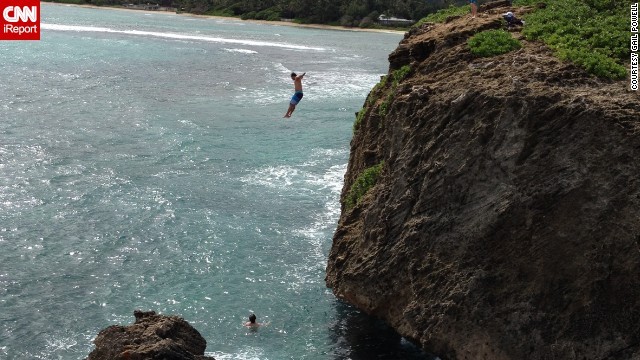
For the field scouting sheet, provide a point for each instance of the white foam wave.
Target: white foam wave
(331, 84)
(264, 97)
(60, 344)
(320, 156)
(248, 354)
(242, 51)
(274, 177)
(320, 87)
(59, 27)
(281, 68)
(284, 176)
(333, 181)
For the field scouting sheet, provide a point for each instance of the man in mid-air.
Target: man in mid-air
(295, 99)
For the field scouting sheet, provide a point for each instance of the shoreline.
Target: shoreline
(263, 22)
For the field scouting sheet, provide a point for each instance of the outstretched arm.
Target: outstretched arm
(300, 76)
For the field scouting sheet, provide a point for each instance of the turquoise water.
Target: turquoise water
(145, 164)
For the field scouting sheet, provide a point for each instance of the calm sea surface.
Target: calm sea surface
(145, 164)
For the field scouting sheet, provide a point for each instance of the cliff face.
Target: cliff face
(505, 223)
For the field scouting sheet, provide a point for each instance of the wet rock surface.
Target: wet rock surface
(151, 337)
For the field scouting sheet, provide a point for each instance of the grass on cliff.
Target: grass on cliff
(370, 101)
(492, 42)
(396, 77)
(593, 34)
(441, 15)
(381, 90)
(363, 183)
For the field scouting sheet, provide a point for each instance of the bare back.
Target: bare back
(297, 83)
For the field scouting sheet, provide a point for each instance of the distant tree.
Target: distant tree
(356, 8)
(367, 22)
(200, 6)
(326, 11)
(374, 15)
(347, 12)
(346, 20)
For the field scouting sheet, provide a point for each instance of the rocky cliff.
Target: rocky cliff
(151, 337)
(505, 220)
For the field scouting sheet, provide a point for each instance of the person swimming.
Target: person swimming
(252, 322)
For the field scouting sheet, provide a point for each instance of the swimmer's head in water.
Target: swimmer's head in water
(252, 318)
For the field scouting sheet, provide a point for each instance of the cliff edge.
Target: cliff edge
(504, 221)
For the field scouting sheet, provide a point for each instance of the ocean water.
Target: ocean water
(145, 164)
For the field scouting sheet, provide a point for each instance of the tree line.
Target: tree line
(362, 13)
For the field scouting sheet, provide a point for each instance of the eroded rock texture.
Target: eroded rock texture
(151, 337)
(506, 221)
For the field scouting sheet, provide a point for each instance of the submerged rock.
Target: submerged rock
(150, 337)
(505, 223)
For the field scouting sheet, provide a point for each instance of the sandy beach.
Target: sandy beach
(274, 23)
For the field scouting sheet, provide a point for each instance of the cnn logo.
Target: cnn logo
(20, 21)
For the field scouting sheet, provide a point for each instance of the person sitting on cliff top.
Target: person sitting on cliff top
(512, 20)
(252, 322)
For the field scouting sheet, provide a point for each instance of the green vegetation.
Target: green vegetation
(379, 86)
(270, 14)
(385, 104)
(225, 13)
(400, 74)
(441, 15)
(381, 90)
(593, 34)
(359, 118)
(75, 2)
(492, 42)
(356, 13)
(397, 76)
(371, 100)
(363, 183)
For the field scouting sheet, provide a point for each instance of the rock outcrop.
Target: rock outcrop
(505, 222)
(150, 337)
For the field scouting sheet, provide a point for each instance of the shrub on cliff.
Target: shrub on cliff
(397, 76)
(492, 43)
(373, 96)
(363, 183)
(400, 74)
(381, 90)
(361, 114)
(441, 15)
(593, 34)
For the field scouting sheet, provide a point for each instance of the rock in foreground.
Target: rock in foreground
(150, 337)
